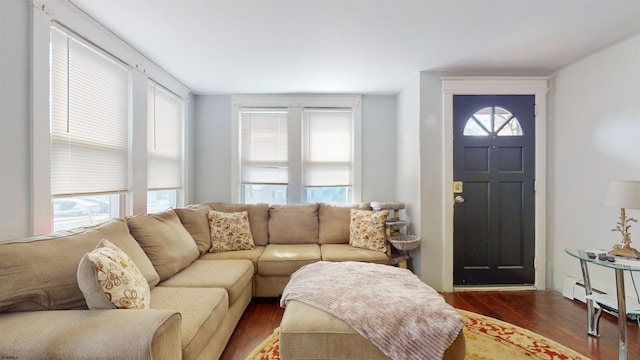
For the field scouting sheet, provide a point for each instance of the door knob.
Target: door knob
(459, 199)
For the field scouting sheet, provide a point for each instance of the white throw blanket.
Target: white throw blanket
(389, 306)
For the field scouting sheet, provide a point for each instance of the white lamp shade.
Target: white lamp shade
(623, 194)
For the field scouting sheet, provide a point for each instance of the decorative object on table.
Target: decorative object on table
(486, 338)
(401, 243)
(624, 194)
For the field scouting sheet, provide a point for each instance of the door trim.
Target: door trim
(481, 85)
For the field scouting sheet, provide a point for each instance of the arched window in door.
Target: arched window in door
(493, 120)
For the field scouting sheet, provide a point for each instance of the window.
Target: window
(264, 155)
(327, 155)
(89, 131)
(89, 122)
(164, 148)
(492, 120)
(298, 154)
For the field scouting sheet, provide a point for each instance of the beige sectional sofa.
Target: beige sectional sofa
(196, 297)
(288, 237)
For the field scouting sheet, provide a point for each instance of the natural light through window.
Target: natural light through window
(298, 149)
(89, 131)
(264, 155)
(493, 120)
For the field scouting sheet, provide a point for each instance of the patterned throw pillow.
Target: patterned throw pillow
(230, 231)
(366, 230)
(109, 279)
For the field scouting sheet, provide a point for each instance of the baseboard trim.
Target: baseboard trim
(494, 288)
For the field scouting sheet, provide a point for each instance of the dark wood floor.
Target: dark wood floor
(546, 312)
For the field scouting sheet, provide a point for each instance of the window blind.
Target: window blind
(89, 118)
(264, 150)
(164, 139)
(328, 147)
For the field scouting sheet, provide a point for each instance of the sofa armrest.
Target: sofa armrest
(95, 334)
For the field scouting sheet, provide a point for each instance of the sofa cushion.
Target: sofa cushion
(202, 310)
(346, 252)
(251, 255)
(33, 279)
(232, 275)
(334, 222)
(194, 219)
(283, 260)
(229, 231)
(90, 334)
(367, 229)
(258, 218)
(293, 224)
(166, 242)
(109, 279)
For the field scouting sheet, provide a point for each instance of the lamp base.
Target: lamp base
(628, 252)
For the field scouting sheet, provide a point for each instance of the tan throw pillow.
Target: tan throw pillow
(230, 231)
(109, 279)
(166, 242)
(367, 229)
(194, 219)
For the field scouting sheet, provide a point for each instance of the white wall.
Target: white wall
(15, 161)
(408, 167)
(433, 188)
(212, 148)
(379, 148)
(594, 135)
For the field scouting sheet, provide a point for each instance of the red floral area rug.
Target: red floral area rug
(269, 349)
(486, 338)
(489, 338)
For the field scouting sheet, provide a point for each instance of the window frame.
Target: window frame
(295, 104)
(65, 14)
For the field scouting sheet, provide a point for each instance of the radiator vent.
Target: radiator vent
(574, 289)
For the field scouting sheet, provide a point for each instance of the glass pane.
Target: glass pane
(512, 128)
(492, 120)
(472, 128)
(264, 193)
(501, 117)
(160, 200)
(484, 117)
(329, 195)
(71, 212)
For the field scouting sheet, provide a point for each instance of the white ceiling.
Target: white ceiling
(358, 46)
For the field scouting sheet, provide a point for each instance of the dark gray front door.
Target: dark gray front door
(494, 211)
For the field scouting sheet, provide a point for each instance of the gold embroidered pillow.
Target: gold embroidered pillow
(109, 279)
(366, 230)
(230, 231)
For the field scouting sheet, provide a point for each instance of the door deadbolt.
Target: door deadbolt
(459, 199)
(457, 187)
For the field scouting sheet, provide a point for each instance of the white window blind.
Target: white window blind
(264, 147)
(328, 147)
(89, 118)
(164, 139)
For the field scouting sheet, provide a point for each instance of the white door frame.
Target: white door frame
(537, 86)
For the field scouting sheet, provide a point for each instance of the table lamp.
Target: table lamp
(624, 194)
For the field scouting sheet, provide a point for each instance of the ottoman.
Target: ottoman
(307, 332)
